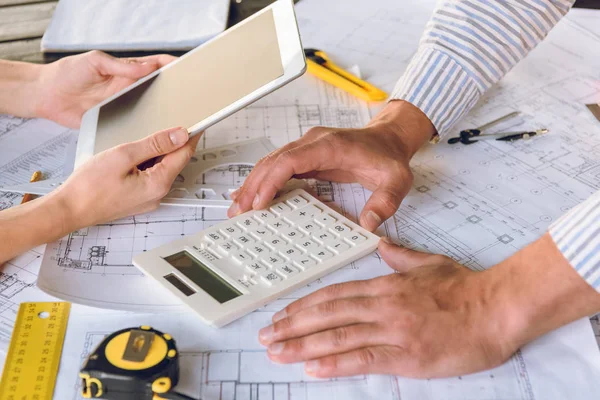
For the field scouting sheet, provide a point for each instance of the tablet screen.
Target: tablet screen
(219, 73)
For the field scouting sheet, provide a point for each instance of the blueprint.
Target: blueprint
(26, 146)
(379, 36)
(226, 365)
(477, 204)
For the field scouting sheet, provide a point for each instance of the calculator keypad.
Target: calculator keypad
(273, 245)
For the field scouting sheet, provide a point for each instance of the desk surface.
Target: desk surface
(23, 22)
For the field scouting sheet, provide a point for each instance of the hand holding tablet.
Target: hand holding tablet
(208, 84)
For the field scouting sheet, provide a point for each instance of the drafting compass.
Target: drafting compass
(470, 136)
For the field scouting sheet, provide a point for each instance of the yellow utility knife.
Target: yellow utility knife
(322, 67)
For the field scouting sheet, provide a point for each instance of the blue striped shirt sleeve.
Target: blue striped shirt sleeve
(577, 236)
(467, 47)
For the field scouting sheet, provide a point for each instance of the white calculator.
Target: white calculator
(237, 266)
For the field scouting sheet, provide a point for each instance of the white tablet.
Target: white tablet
(206, 85)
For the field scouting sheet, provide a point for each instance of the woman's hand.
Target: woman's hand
(376, 156)
(67, 88)
(125, 180)
(113, 184)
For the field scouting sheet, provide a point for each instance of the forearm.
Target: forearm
(19, 88)
(536, 291)
(467, 47)
(31, 224)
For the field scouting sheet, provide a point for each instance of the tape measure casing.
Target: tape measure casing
(107, 375)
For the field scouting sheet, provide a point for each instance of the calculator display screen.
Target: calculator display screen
(203, 276)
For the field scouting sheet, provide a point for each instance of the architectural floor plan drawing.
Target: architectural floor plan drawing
(379, 36)
(30, 145)
(224, 365)
(477, 204)
(25, 146)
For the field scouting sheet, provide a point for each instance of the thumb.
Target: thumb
(155, 145)
(173, 163)
(382, 204)
(131, 68)
(400, 258)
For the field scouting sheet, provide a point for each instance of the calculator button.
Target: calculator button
(264, 216)
(290, 252)
(309, 226)
(287, 270)
(248, 223)
(339, 246)
(227, 247)
(297, 216)
(304, 262)
(258, 250)
(291, 234)
(325, 219)
(340, 229)
(324, 237)
(256, 267)
(278, 225)
(297, 201)
(281, 208)
(244, 240)
(230, 230)
(261, 232)
(214, 237)
(270, 278)
(272, 260)
(276, 242)
(322, 255)
(354, 238)
(308, 245)
(308, 212)
(241, 257)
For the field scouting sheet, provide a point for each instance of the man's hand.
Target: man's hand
(376, 156)
(69, 87)
(127, 179)
(429, 320)
(434, 318)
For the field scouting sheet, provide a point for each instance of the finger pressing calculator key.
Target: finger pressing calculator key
(241, 264)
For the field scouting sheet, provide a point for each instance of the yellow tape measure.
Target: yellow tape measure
(34, 354)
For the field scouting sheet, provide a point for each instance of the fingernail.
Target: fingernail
(312, 366)
(266, 334)
(276, 348)
(234, 209)
(234, 195)
(180, 136)
(372, 220)
(279, 315)
(256, 201)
